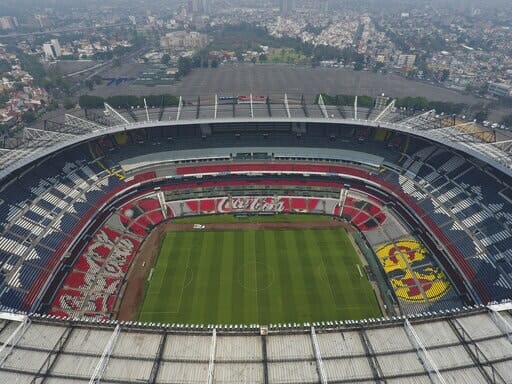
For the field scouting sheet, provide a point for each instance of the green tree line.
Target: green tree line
(415, 103)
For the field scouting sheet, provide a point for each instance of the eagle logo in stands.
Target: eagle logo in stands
(411, 271)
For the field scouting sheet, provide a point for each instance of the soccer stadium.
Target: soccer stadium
(256, 239)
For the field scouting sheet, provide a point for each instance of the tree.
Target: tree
(359, 62)
(184, 66)
(89, 84)
(88, 101)
(4, 98)
(69, 104)
(358, 66)
(5, 66)
(378, 66)
(97, 79)
(52, 106)
(166, 59)
(124, 101)
(445, 75)
(239, 55)
(365, 101)
(29, 117)
(482, 115)
(507, 120)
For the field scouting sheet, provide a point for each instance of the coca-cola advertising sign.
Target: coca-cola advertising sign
(251, 204)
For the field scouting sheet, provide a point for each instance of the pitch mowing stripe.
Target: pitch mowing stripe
(190, 309)
(302, 288)
(237, 292)
(224, 313)
(342, 272)
(274, 291)
(262, 277)
(216, 243)
(170, 293)
(249, 277)
(189, 305)
(157, 280)
(350, 285)
(201, 289)
(153, 298)
(286, 294)
(319, 291)
(336, 263)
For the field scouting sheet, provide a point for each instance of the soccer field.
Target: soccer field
(257, 276)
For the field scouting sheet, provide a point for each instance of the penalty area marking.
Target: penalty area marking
(177, 303)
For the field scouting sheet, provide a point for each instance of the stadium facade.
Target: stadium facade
(79, 197)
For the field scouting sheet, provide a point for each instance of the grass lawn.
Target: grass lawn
(257, 276)
(286, 55)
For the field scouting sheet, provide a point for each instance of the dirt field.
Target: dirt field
(145, 258)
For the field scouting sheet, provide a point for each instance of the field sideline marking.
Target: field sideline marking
(183, 286)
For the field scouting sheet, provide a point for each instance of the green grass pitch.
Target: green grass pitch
(257, 276)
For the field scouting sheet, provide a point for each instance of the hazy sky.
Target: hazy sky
(8, 6)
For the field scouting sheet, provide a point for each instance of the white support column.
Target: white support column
(35, 134)
(386, 111)
(12, 340)
(180, 105)
(252, 110)
(213, 346)
(355, 108)
(423, 354)
(469, 123)
(146, 107)
(413, 118)
(343, 198)
(161, 200)
(105, 357)
(322, 106)
(495, 144)
(502, 324)
(318, 356)
(109, 111)
(216, 106)
(287, 106)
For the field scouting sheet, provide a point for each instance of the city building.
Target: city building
(183, 40)
(8, 22)
(199, 7)
(500, 89)
(52, 50)
(406, 60)
(286, 6)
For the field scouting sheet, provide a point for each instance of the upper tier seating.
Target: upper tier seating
(46, 207)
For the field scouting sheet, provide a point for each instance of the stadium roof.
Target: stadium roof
(464, 136)
(470, 345)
